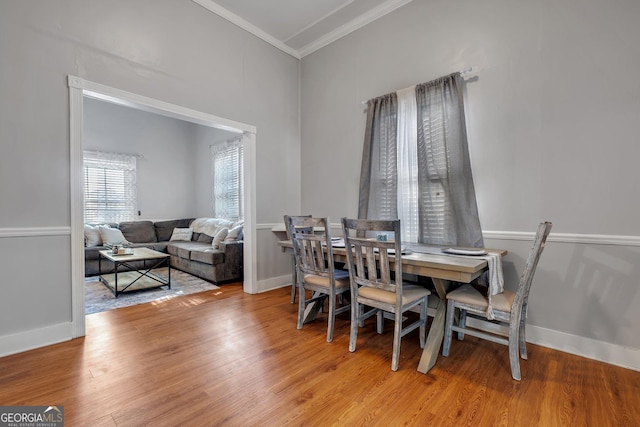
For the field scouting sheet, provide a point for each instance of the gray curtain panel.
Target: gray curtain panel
(443, 156)
(448, 213)
(378, 175)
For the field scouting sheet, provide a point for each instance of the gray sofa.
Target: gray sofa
(196, 257)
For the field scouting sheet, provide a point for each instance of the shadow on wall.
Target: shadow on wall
(586, 290)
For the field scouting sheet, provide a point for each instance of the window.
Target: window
(109, 187)
(416, 166)
(227, 159)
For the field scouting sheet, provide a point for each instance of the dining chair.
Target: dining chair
(294, 281)
(315, 271)
(376, 281)
(509, 309)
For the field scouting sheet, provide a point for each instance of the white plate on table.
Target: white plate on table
(468, 252)
(337, 242)
(392, 251)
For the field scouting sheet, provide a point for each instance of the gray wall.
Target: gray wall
(204, 138)
(174, 170)
(166, 177)
(553, 119)
(171, 50)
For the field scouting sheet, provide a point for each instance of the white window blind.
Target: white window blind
(109, 187)
(227, 161)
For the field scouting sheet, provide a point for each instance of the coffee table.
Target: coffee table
(138, 278)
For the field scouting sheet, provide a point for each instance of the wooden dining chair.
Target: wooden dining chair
(315, 271)
(294, 281)
(509, 309)
(376, 281)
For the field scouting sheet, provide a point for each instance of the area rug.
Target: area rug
(99, 298)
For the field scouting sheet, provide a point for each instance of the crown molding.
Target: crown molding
(353, 25)
(247, 26)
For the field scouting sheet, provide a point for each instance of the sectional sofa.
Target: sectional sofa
(209, 248)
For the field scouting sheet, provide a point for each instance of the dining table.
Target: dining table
(447, 271)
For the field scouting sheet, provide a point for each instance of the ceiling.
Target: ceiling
(300, 27)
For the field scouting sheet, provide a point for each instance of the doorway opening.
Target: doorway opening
(79, 89)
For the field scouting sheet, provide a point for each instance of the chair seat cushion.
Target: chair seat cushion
(467, 294)
(342, 280)
(410, 293)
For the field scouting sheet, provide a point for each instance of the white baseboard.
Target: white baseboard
(24, 341)
(274, 283)
(612, 354)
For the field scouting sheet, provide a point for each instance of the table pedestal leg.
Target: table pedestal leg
(312, 309)
(436, 331)
(434, 339)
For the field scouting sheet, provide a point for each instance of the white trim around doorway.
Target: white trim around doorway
(80, 88)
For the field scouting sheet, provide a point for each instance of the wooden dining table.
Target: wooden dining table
(445, 270)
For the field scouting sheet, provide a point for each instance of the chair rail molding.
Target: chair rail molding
(587, 239)
(34, 231)
(592, 239)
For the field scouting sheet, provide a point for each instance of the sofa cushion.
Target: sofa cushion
(158, 246)
(208, 256)
(92, 252)
(138, 231)
(183, 249)
(204, 238)
(164, 229)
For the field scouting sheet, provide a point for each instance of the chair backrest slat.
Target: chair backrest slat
(311, 240)
(369, 261)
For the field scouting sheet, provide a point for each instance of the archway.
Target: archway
(79, 88)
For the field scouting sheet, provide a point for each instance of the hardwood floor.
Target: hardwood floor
(227, 358)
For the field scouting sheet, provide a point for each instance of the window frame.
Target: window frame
(113, 191)
(227, 184)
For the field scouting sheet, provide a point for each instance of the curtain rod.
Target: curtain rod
(462, 73)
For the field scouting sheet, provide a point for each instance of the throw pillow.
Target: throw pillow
(183, 234)
(219, 237)
(234, 233)
(111, 235)
(92, 235)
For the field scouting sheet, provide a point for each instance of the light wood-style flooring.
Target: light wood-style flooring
(225, 358)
